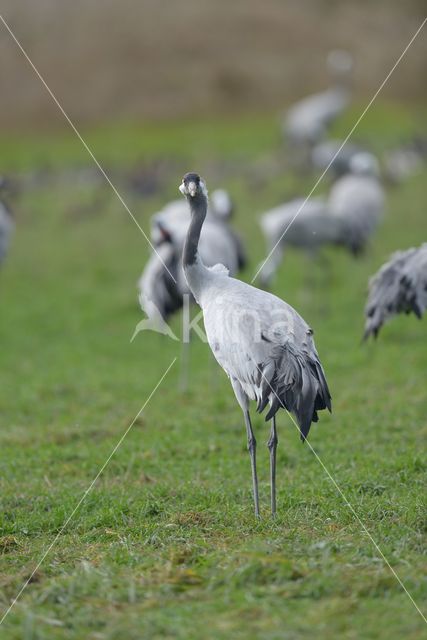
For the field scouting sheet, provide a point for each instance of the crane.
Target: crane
(334, 156)
(307, 121)
(400, 286)
(347, 217)
(264, 346)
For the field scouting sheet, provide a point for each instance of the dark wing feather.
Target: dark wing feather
(398, 287)
(298, 385)
(157, 284)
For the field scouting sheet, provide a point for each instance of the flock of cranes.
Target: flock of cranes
(264, 346)
(262, 343)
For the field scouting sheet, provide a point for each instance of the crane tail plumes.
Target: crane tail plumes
(295, 382)
(400, 286)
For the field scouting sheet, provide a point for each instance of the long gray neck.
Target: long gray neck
(342, 83)
(198, 206)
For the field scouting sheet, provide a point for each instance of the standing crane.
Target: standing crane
(347, 217)
(400, 286)
(308, 121)
(305, 225)
(358, 200)
(263, 345)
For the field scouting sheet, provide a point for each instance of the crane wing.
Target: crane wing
(263, 343)
(400, 286)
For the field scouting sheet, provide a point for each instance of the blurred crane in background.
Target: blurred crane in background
(347, 217)
(219, 243)
(6, 221)
(406, 160)
(357, 200)
(335, 156)
(400, 286)
(308, 121)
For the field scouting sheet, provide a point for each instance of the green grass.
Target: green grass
(165, 545)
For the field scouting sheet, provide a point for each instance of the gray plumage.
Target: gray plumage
(164, 288)
(159, 295)
(6, 229)
(329, 155)
(262, 343)
(347, 217)
(357, 200)
(406, 160)
(400, 286)
(308, 121)
(303, 225)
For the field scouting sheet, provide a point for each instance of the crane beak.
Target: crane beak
(188, 189)
(192, 189)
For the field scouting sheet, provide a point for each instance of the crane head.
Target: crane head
(193, 185)
(340, 62)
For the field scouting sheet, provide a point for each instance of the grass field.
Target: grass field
(166, 545)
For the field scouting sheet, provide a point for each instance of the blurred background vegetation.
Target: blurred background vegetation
(109, 60)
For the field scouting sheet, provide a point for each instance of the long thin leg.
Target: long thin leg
(272, 446)
(252, 453)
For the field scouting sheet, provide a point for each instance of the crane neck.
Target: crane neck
(198, 208)
(342, 84)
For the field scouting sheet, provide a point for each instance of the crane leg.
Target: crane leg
(272, 447)
(252, 453)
